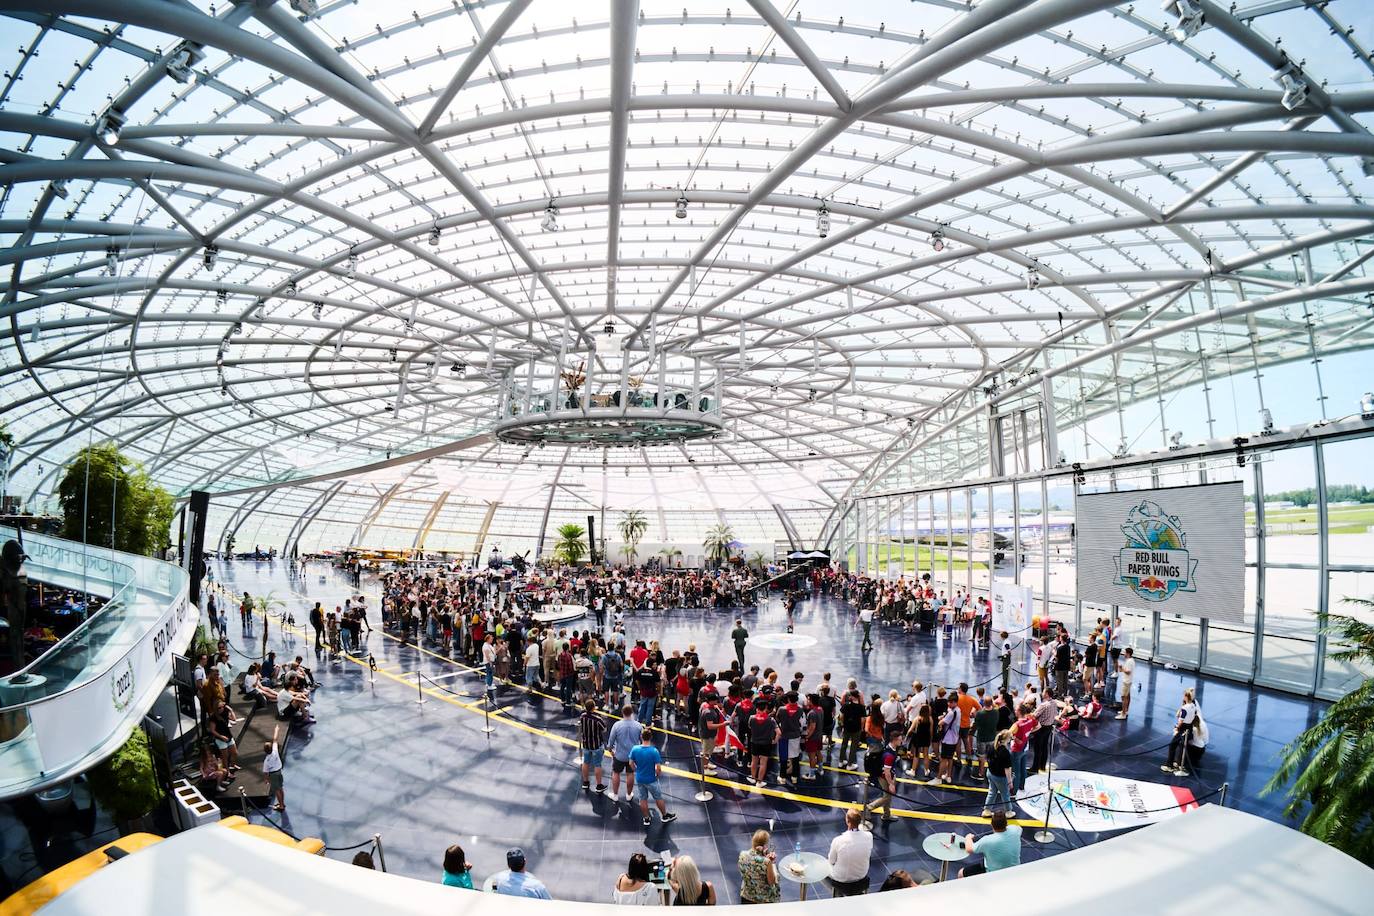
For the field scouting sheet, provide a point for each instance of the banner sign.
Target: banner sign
(1179, 550)
(1099, 803)
(1012, 606)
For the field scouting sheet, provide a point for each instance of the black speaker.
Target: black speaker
(591, 537)
(197, 508)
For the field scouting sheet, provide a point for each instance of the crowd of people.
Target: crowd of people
(768, 727)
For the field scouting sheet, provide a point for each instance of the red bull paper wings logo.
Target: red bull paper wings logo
(1155, 563)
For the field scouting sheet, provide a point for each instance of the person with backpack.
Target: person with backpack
(613, 676)
(881, 768)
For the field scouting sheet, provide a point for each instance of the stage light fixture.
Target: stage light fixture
(1266, 421)
(459, 368)
(305, 7)
(207, 259)
(351, 270)
(186, 56)
(392, 354)
(823, 220)
(680, 211)
(1175, 441)
(290, 289)
(111, 260)
(108, 127)
(550, 221)
(1188, 15)
(937, 239)
(317, 311)
(1294, 85)
(59, 188)
(1033, 277)
(237, 329)
(434, 237)
(221, 298)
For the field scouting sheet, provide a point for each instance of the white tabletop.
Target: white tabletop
(814, 867)
(947, 847)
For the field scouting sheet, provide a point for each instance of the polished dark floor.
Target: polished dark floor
(425, 776)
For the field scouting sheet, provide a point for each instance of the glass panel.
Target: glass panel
(1290, 507)
(1349, 502)
(1179, 639)
(1339, 677)
(1288, 656)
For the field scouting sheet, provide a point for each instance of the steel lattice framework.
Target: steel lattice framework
(257, 243)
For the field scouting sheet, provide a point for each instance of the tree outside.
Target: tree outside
(108, 500)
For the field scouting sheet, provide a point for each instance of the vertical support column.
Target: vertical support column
(1323, 567)
(1049, 423)
(1257, 654)
(996, 455)
(1045, 551)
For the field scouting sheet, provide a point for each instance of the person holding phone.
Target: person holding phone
(758, 871)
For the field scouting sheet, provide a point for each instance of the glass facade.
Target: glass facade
(1309, 545)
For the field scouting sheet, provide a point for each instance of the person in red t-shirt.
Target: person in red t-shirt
(639, 654)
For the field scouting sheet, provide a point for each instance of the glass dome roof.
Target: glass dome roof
(257, 243)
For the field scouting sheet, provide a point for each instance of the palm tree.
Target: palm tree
(757, 560)
(571, 545)
(633, 524)
(669, 553)
(717, 543)
(1329, 764)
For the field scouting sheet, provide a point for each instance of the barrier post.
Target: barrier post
(704, 794)
(1044, 834)
(243, 802)
(381, 856)
(863, 804)
(487, 728)
(419, 690)
(1225, 786)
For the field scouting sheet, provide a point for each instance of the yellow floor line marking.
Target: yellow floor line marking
(497, 716)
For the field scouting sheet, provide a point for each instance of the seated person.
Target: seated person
(255, 689)
(1068, 716)
(1093, 708)
(269, 669)
(294, 703)
(213, 772)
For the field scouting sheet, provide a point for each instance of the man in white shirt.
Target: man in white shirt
(271, 768)
(866, 618)
(532, 662)
(850, 853)
(1125, 671)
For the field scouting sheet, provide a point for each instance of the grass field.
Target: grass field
(1343, 520)
(925, 559)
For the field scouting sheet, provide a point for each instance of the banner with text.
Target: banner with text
(1179, 550)
(1099, 803)
(1013, 606)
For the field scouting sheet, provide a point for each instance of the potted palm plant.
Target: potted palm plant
(1326, 770)
(718, 543)
(571, 545)
(632, 526)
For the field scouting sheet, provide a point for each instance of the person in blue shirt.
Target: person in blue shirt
(999, 849)
(516, 882)
(620, 741)
(648, 764)
(457, 871)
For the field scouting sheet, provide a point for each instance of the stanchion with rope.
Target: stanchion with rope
(381, 856)
(703, 794)
(372, 668)
(1044, 834)
(1225, 787)
(419, 689)
(487, 727)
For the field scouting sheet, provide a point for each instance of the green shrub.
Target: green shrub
(126, 785)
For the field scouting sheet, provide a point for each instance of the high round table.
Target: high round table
(814, 869)
(935, 847)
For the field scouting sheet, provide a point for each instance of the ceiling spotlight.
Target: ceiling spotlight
(305, 7)
(1033, 277)
(111, 260)
(937, 239)
(609, 328)
(207, 259)
(352, 270)
(338, 346)
(1266, 421)
(1294, 85)
(59, 188)
(223, 388)
(290, 289)
(811, 394)
(237, 329)
(822, 220)
(1176, 441)
(392, 353)
(434, 236)
(318, 310)
(680, 211)
(221, 297)
(108, 127)
(1189, 15)
(186, 56)
(409, 325)
(459, 368)
(550, 221)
